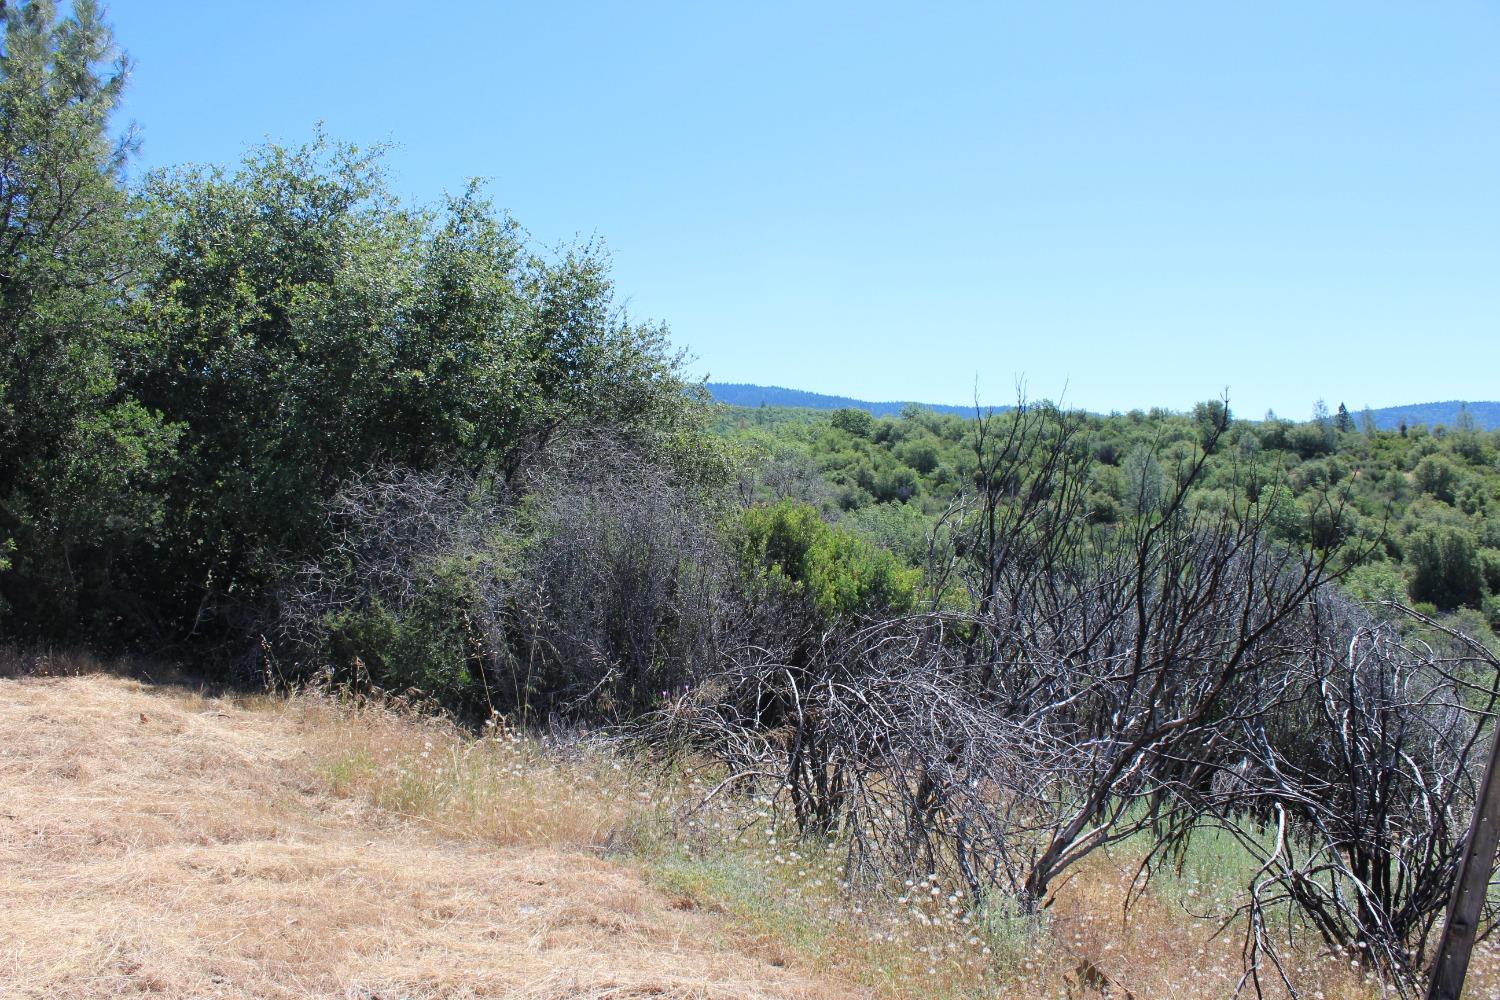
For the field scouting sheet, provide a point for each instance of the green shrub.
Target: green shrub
(897, 527)
(1444, 567)
(1312, 439)
(786, 548)
(920, 455)
(1489, 566)
(1377, 581)
(897, 484)
(853, 421)
(1437, 477)
(421, 644)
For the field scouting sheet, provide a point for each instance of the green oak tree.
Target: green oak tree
(76, 453)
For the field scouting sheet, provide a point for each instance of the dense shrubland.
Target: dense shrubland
(1074, 682)
(1431, 495)
(269, 418)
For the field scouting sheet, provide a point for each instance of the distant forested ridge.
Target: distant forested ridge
(1486, 415)
(745, 394)
(1450, 413)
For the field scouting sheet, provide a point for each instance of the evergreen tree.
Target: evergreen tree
(1342, 421)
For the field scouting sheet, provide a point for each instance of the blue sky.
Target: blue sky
(1132, 204)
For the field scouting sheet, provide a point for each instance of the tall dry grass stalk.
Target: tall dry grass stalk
(500, 788)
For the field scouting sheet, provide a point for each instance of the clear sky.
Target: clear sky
(1139, 203)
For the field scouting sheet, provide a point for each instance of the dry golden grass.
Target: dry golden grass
(779, 898)
(157, 842)
(166, 844)
(502, 788)
(769, 899)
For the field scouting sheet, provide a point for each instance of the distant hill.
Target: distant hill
(743, 394)
(1388, 418)
(1486, 415)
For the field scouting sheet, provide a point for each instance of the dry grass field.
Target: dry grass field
(157, 842)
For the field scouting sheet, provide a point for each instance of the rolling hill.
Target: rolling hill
(745, 394)
(1486, 415)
